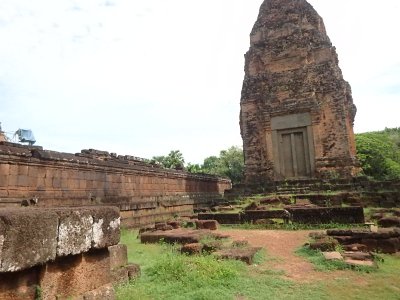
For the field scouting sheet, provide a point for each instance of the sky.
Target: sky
(145, 77)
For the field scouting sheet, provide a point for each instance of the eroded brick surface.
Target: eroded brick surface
(74, 275)
(292, 71)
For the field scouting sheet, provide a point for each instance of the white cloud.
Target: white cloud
(145, 77)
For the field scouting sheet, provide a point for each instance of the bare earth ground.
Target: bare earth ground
(281, 246)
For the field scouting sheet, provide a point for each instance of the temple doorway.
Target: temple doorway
(294, 153)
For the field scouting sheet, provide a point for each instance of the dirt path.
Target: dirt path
(281, 245)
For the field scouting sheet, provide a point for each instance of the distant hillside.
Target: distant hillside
(379, 153)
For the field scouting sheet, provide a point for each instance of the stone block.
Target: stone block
(12, 181)
(19, 285)
(207, 224)
(28, 237)
(56, 183)
(106, 226)
(118, 256)
(355, 262)
(346, 240)
(125, 273)
(106, 292)
(371, 244)
(180, 236)
(324, 245)
(175, 224)
(119, 275)
(133, 271)
(22, 181)
(192, 248)
(33, 181)
(23, 170)
(3, 192)
(357, 255)
(13, 169)
(4, 180)
(334, 255)
(390, 246)
(4, 169)
(75, 233)
(74, 275)
(389, 222)
(160, 226)
(355, 247)
(222, 218)
(244, 254)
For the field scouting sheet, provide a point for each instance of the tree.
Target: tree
(194, 168)
(379, 153)
(174, 160)
(210, 165)
(229, 164)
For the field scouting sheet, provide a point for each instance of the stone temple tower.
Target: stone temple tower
(297, 111)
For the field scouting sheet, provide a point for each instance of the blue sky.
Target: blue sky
(146, 77)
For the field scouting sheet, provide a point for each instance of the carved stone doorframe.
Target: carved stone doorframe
(293, 146)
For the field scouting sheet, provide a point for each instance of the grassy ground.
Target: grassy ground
(166, 274)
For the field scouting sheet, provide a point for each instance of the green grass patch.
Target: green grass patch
(167, 274)
(382, 284)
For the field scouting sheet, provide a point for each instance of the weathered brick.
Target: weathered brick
(75, 275)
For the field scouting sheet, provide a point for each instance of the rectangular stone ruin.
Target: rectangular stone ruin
(326, 215)
(57, 253)
(385, 240)
(309, 215)
(222, 218)
(180, 236)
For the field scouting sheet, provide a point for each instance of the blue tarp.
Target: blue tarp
(26, 136)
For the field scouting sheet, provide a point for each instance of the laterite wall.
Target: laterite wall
(144, 192)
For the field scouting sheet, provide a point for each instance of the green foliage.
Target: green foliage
(379, 153)
(194, 168)
(174, 160)
(38, 293)
(230, 163)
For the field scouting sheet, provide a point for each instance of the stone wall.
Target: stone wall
(297, 111)
(327, 215)
(144, 193)
(308, 215)
(385, 240)
(57, 253)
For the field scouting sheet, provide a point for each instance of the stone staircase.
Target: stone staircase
(358, 191)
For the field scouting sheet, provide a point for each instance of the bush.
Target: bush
(379, 153)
